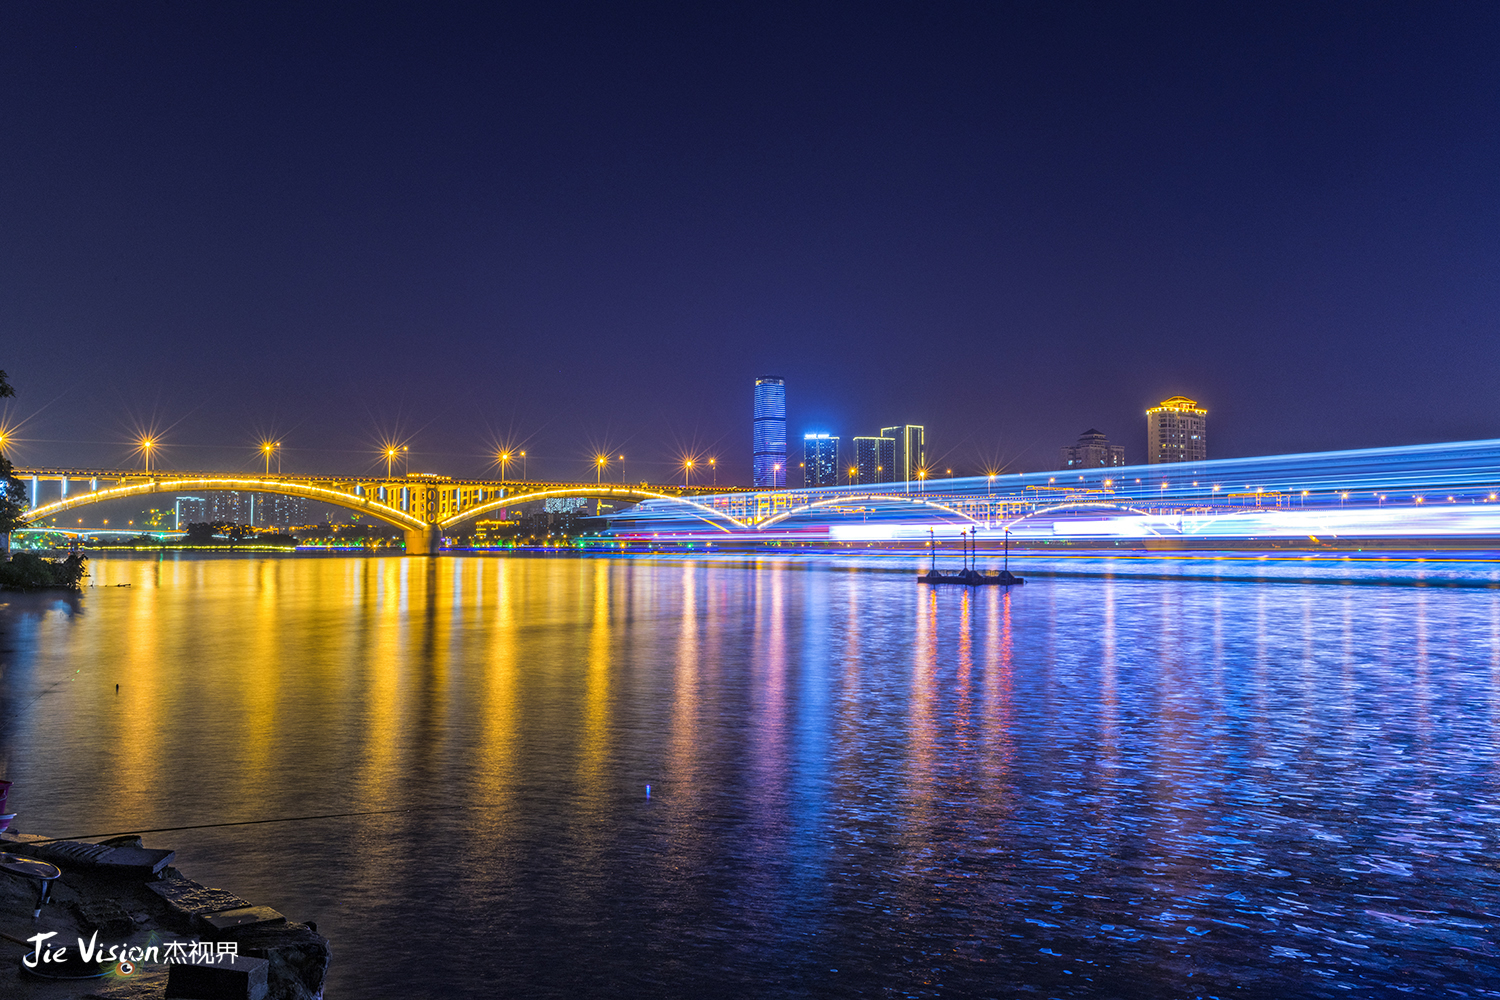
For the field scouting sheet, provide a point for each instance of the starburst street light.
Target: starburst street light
(504, 461)
(713, 463)
(146, 445)
(267, 449)
(599, 463)
(687, 470)
(390, 458)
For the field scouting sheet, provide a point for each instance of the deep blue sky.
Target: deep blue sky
(594, 225)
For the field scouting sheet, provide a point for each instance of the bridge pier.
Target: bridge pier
(423, 541)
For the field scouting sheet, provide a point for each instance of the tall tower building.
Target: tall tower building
(820, 460)
(1093, 451)
(1176, 431)
(911, 451)
(769, 449)
(874, 460)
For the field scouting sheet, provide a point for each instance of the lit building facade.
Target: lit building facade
(768, 457)
(1093, 451)
(874, 460)
(820, 460)
(911, 451)
(1176, 431)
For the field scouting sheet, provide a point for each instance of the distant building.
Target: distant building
(1093, 451)
(277, 510)
(1176, 431)
(189, 510)
(769, 438)
(874, 460)
(820, 460)
(911, 451)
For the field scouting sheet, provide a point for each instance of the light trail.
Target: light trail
(1426, 491)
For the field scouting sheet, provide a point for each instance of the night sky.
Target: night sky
(573, 228)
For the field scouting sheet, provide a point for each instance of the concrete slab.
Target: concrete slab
(241, 979)
(245, 916)
(193, 899)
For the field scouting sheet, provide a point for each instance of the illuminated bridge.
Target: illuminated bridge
(424, 507)
(1442, 491)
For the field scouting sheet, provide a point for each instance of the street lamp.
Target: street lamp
(622, 470)
(504, 461)
(853, 469)
(523, 466)
(687, 470)
(713, 463)
(390, 457)
(599, 464)
(266, 449)
(775, 474)
(146, 445)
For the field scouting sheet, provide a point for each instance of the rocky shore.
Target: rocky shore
(121, 915)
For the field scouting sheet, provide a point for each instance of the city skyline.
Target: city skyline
(1004, 224)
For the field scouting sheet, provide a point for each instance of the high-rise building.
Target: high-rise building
(1093, 451)
(277, 510)
(911, 451)
(188, 510)
(769, 455)
(820, 460)
(874, 460)
(1176, 431)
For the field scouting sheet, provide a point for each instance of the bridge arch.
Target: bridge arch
(365, 505)
(869, 496)
(599, 492)
(1089, 505)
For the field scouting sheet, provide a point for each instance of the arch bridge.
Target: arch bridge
(422, 506)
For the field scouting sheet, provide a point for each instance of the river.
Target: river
(1085, 787)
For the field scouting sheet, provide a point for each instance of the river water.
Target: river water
(1086, 787)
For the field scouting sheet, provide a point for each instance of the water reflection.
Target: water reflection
(1086, 787)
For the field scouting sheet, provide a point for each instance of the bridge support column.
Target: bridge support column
(423, 541)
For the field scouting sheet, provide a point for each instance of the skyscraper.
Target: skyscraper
(1176, 431)
(874, 460)
(769, 454)
(820, 460)
(1093, 451)
(911, 451)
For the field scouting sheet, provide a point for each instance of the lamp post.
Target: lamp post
(622, 470)
(405, 460)
(687, 470)
(853, 469)
(504, 461)
(523, 465)
(146, 445)
(599, 470)
(266, 449)
(775, 474)
(390, 458)
(713, 463)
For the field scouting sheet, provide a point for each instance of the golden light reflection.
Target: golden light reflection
(500, 715)
(596, 710)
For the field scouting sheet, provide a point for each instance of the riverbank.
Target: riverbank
(120, 915)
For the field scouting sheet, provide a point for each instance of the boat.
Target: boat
(969, 576)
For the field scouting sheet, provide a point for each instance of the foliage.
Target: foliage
(12, 491)
(28, 571)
